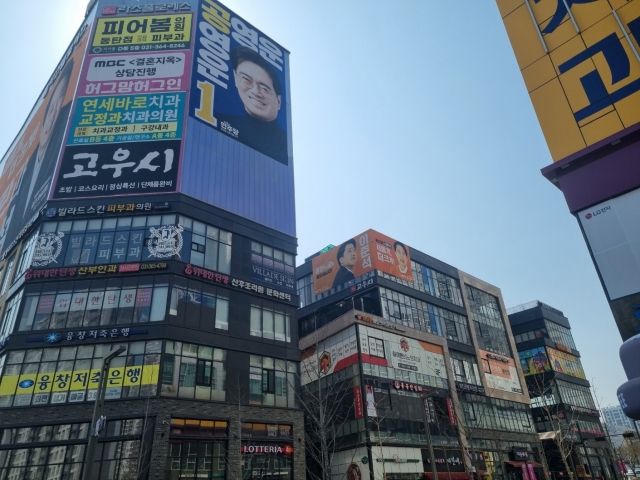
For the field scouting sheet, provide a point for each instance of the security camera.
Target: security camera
(164, 422)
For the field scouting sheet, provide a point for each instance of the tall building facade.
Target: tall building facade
(563, 408)
(148, 203)
(417, 353)
(580, 62)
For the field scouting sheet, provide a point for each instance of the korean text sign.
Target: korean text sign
(368, 251)
(149, 32)
(238, 82)
(587, 86)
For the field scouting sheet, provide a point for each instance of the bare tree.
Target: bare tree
(323, 400)
(563, 427)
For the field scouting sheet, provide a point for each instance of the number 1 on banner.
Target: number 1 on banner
(205, 111)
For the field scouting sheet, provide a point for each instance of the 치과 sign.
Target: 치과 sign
(581, 66)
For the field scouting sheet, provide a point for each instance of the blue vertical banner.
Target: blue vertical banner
(238, 154)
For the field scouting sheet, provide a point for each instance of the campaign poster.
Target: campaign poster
(29, 165)
(149, 32)
(240, 114)
(500, 373)
(368, 251)
(238, 82)
(371, 402)
(98, 170)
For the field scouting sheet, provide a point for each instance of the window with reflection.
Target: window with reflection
(94, 304)
(194, 371)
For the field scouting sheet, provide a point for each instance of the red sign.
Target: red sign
(129, 267)
(109, 10)
(357, 401)
(406, 386)
(452, 417)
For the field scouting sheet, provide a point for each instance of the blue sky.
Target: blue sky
(410, 118)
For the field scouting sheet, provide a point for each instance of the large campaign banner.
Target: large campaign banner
(28, 167)
(126, 133)
(240, 114)
(368, 251)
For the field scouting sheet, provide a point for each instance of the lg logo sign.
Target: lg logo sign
(589, 216)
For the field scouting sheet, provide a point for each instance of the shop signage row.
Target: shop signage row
(406, 386)
(377, 321)
(55, 337)
(100, 209)
(33, 274)
(467, 387)
(192, 271)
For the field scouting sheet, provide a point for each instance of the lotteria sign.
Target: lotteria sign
(287, 449)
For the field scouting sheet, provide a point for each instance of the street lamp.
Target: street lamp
(97, 410)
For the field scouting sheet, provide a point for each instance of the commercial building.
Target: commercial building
(416, 352)
(562, 404)
(147, 202)
(580, 62)
(617, 423)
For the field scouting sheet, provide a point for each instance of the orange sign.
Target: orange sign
(368, 251)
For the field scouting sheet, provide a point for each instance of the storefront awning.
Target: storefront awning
(448, 476)
(519, 464)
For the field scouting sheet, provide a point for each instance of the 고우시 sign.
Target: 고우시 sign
(131, 168)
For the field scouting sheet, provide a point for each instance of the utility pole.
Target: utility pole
(97, 410)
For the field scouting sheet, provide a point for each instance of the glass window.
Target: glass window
(196, 372)
(81, 308)
(270, 323)
(7, 276)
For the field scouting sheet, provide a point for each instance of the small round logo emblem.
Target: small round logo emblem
(26, 383)
(53, 337)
